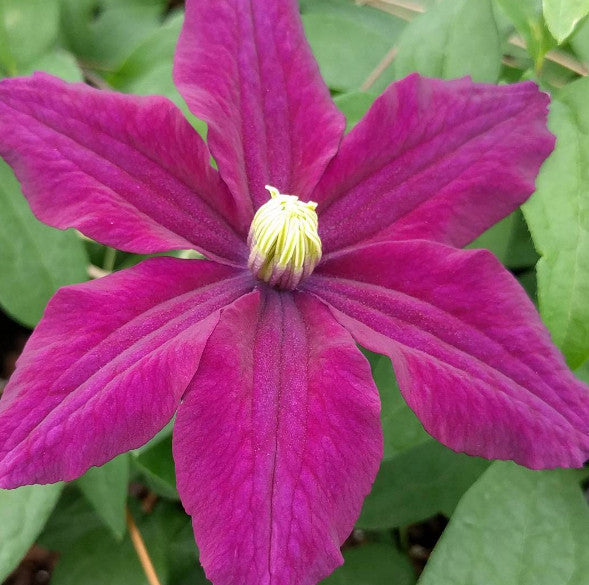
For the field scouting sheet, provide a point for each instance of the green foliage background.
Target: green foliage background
(508, 525)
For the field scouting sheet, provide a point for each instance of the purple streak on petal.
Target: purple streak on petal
(438, 160)
(472, 357)
(107, 365)
(127, 171)
(277, 442)
(244, 66)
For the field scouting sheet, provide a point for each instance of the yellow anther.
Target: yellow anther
(284, 241)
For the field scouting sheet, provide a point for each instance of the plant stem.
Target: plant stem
(379, 69)
(141, 551)
(108, 262)
(95, 271)
(95, 79)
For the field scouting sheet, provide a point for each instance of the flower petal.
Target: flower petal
(277, 442)
(472, 357)
(127, 171)
(245, 68)
(438, 160)
(107, 365)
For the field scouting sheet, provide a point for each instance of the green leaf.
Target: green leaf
(89, 554)
(528, 280)
(27, 29)
(35, 260)
(72, 518)
(381, 22)
(497, 239)
(354, 105)
(103, 32)
(347, 56)
(558, 217)
(99, 559)
(580, 42)
(148, 69)
(510, 241)
(522, 253)
(563, 15)
(515, 526)
(94, 557)
(583, 372)
(23, 513)
(418, 476)
(183, 558)
(346, 49)
(453, 39)
(57, 62)
(106, 489)
(527, 18)
(402, 430)
(418, 483)
(157, 467)
(373, 564)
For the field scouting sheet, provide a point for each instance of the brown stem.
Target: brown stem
(141, 551)
(379, 69)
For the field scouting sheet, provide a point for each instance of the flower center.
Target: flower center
(284, 242)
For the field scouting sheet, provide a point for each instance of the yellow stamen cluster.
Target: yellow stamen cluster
(284, 241)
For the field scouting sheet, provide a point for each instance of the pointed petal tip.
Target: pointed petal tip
(471, 355)
(275, 125)
(453, 158)
(267, 459)
(84, 389)
(128, 171)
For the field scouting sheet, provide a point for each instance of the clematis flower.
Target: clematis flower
(314, 242)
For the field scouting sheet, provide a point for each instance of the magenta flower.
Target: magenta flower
(277, 438)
